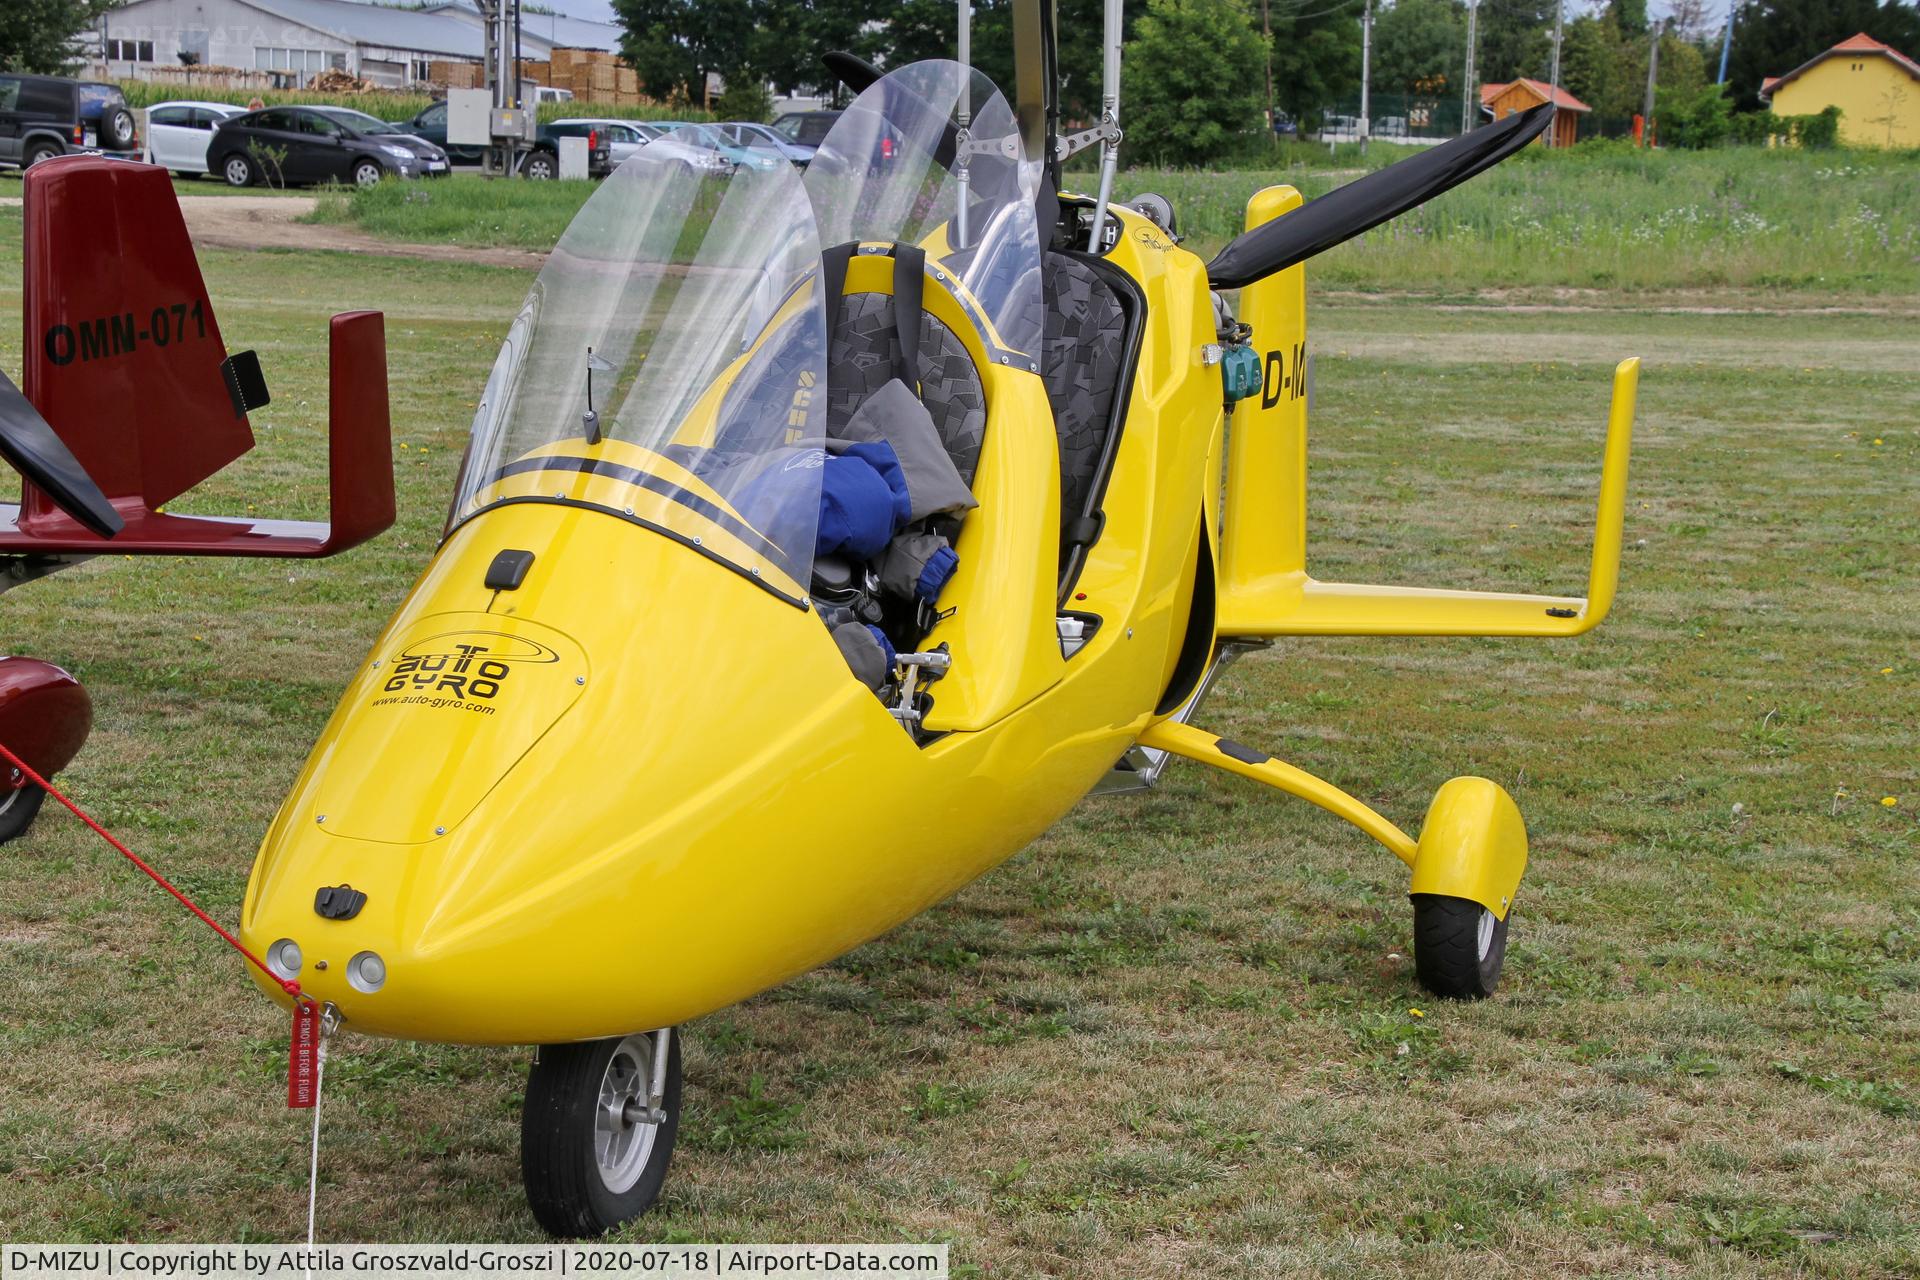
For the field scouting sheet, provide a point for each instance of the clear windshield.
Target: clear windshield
(898, 166)
(663, 365)
(667, 363)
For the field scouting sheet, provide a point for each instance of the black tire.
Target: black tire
(116, 129)
(238, 171)
(366, 172)
(38, 152)
(560, 1161)
(540, 166)
(1456, 951)
(17, 810)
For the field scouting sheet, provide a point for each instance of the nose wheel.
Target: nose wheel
(1458, 946)
(597, 1130)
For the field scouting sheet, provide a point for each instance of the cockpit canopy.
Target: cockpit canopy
(670, 363)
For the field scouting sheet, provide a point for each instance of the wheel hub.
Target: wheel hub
(622, 1143)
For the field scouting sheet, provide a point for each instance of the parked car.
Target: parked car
(624, 137)
(805, 127)
(543, 162)
(290, 146)
(767, 138)
(46, 116)
(177, 134)
(696, 148)
(705, 141)
(433, 159)
(431, 124)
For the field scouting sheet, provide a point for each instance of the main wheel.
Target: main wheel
(588, 1157)
(17, 810)
(1458, 946)
(237, 170)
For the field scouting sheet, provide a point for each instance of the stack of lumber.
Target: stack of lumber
(335, 81)
(594, 75)
(456, 75)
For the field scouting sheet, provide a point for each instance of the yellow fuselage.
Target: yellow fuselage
(642, 787)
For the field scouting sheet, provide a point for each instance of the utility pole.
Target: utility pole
(1469, 91)
(1726, 43)
(1559, 15)
(1653, 72)
(1366, 77)
(1266, 37)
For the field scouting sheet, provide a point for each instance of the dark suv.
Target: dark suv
(46, 116)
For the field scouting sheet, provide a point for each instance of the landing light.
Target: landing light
(283, 957)
(366, 973)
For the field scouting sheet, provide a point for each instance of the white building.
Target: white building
(541, 33)
(295, 39)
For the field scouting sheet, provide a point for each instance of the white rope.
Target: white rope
(313, 1167)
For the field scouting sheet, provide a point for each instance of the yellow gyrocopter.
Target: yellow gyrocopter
(799, 508)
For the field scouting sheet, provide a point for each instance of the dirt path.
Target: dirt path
(272, 222)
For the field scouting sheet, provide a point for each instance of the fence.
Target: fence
(1396, 118)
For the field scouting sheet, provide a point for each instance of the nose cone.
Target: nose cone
(637, 823)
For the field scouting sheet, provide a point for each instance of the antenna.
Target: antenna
(591, 418)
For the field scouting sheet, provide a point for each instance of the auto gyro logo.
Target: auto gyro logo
(468, 669)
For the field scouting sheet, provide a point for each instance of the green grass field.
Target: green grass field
(1174, 1037)
(1598, 217)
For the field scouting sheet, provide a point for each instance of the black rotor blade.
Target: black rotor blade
(27, 442)
(1367, 202)
(851, 70)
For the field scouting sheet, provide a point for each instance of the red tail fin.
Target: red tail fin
(124, 362)
(123, 355)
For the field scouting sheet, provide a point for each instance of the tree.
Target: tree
(1700, 118)
(1516, 39)
(1772, 37)
(746, 98)
(1419, 47)
(917, 29)
(38, 35)
(1194, 80)
(1594, 68)
(674, 44)
(1629, 17)
(1316, 55)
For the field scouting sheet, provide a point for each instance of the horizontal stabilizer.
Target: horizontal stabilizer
(1367, 202)
(359, 482)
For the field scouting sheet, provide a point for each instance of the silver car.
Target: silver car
(624, 137)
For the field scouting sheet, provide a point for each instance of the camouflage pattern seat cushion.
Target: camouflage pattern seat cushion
(861, 359)
(1085, 337)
